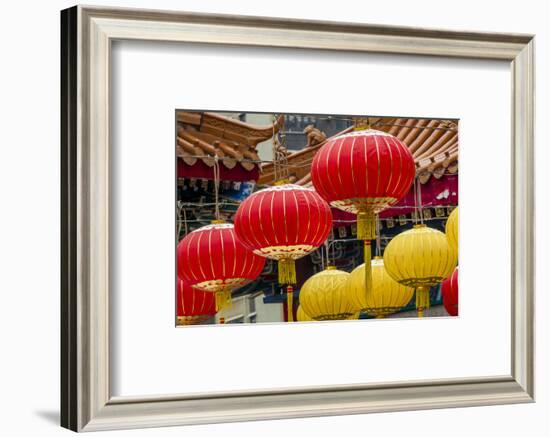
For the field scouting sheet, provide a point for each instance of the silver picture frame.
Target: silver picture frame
(86, 401)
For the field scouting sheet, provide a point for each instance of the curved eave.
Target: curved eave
(229, 128)
(433, 144)
(205, 137)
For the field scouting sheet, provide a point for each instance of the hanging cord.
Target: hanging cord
(415, 218)
(421, 209)
(417, 203)
(330, 245)
(274, 151)
(422, 293)
(333, 250)
(280, 153)
(378, 236)
(186, 229)
(283, 154)
(179, 208)
(324, 256)
(216, 188)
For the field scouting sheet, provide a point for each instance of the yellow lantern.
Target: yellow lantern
(302, 316)
(386, 295)
(420, 257)
(451, 230)
(324, 296)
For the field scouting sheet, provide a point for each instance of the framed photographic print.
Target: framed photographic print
(289, 257)
(260, 218)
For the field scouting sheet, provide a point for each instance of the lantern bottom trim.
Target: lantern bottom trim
(382, 311)
(427, 282)
(215, 285)
(339, 316)
(295, 251)
(356, 204)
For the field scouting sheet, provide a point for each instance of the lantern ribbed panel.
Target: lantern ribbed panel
(419, 257)
(451, 230)
(386, 295)
(283, 221)
(302, 316)
(324, 296)
(449, 292)
(193, 306)
(363, 170)
(213, 259)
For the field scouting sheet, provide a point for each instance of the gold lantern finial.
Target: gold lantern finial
(361, 123)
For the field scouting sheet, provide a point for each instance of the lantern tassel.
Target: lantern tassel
(223, 299)
(368, 266)
(287, 271)
(366, 225)
(289, 304)
(422, 300)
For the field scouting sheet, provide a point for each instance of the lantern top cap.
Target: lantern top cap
(216, 222)
(419, 225)
(361, 127)
(361, 123)
(282, 187)
(331, 268)
(213, 225)
(282, 182)
(363, 133)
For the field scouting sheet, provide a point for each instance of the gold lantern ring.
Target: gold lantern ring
(422, 282)
(215, 285)
(287, 252)
(357, 204)
(381, 311)
(339, 316)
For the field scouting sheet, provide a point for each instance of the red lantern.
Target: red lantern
(284, 223)
(363, 172)
(193, 306)
(212, 259)
(449, 292)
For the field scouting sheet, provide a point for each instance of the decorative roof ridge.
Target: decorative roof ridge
(221, 124)
(265, 128)
(433, 143)
(307, 151)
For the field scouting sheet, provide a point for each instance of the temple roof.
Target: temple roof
(203, 135)
(432, 142)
